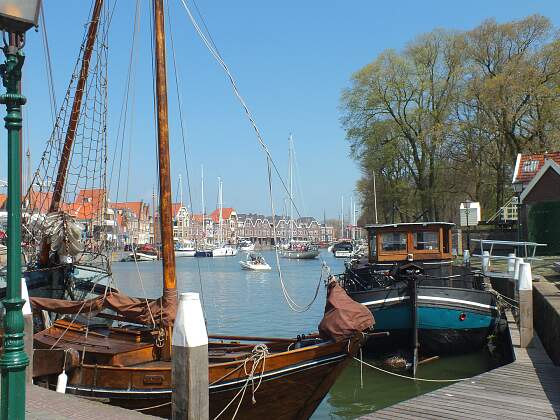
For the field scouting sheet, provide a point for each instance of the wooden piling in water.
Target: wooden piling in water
(190, 361)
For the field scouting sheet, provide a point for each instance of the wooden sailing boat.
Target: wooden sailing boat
(130, 365)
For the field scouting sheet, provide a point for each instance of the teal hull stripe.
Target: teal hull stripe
(399, 317)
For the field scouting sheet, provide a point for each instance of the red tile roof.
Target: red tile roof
(84, 211)
(133, 206)
(197, 218)
(226, 214)
(527, 166)
(87, 205)
(175, 208)
(96, 196)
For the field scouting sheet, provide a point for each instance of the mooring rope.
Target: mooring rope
(409, 377)
(153, 406)
(508, 301)
(258, 355)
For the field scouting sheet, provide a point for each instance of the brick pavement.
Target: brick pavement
(43, 404)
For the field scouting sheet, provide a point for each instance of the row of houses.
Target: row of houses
(132, 222)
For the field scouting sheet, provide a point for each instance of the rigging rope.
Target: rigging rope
(210, 45)
(48, 65)
(80, 310)
(184, 143)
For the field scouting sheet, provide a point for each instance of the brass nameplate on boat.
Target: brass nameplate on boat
(153, 379)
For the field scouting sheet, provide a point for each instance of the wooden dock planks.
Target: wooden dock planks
(528, 388)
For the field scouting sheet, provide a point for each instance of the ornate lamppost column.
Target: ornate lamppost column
(14, 360)
(16, 17)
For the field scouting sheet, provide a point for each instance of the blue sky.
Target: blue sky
(291, 60)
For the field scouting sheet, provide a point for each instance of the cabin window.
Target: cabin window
(393, 241)
(426, 241)
(373, 246)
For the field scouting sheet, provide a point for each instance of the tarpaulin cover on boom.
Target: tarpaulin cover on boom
(343, 317)
(133, 309)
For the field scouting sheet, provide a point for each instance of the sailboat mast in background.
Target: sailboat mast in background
(342, 216)
(291, 176)
(221, 206)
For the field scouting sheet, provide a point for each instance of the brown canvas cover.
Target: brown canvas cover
(162, 310)
(343, 317)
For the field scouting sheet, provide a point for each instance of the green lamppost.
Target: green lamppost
(16, 17)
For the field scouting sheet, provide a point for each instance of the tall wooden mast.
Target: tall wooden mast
(73, 121)
(165, 206)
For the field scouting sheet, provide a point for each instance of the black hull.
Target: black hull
(450, 320)
(433, 342)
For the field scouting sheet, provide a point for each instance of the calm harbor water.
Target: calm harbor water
(242, 302)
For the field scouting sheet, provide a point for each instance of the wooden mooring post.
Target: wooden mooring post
(190, 361)
(525, 291)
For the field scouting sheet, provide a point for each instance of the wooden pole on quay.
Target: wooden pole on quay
(190, 361)
(525, 286)
(27, 331)
(518, 261)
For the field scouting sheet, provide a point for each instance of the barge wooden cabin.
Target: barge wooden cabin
(409, 241)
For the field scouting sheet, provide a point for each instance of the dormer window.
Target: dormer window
(530, 165)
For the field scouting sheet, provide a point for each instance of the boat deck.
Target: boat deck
(528, 388)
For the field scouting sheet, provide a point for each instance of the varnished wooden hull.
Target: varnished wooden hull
(293, 383)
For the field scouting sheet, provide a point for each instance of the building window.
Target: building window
(530, 165)
(395, 241)
(426, 241)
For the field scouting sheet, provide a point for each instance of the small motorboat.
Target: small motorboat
(203, 253)
(224, 251)
(255, 262)
(146, 252)
(185, 249)
(246, 245)
(343, 249)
